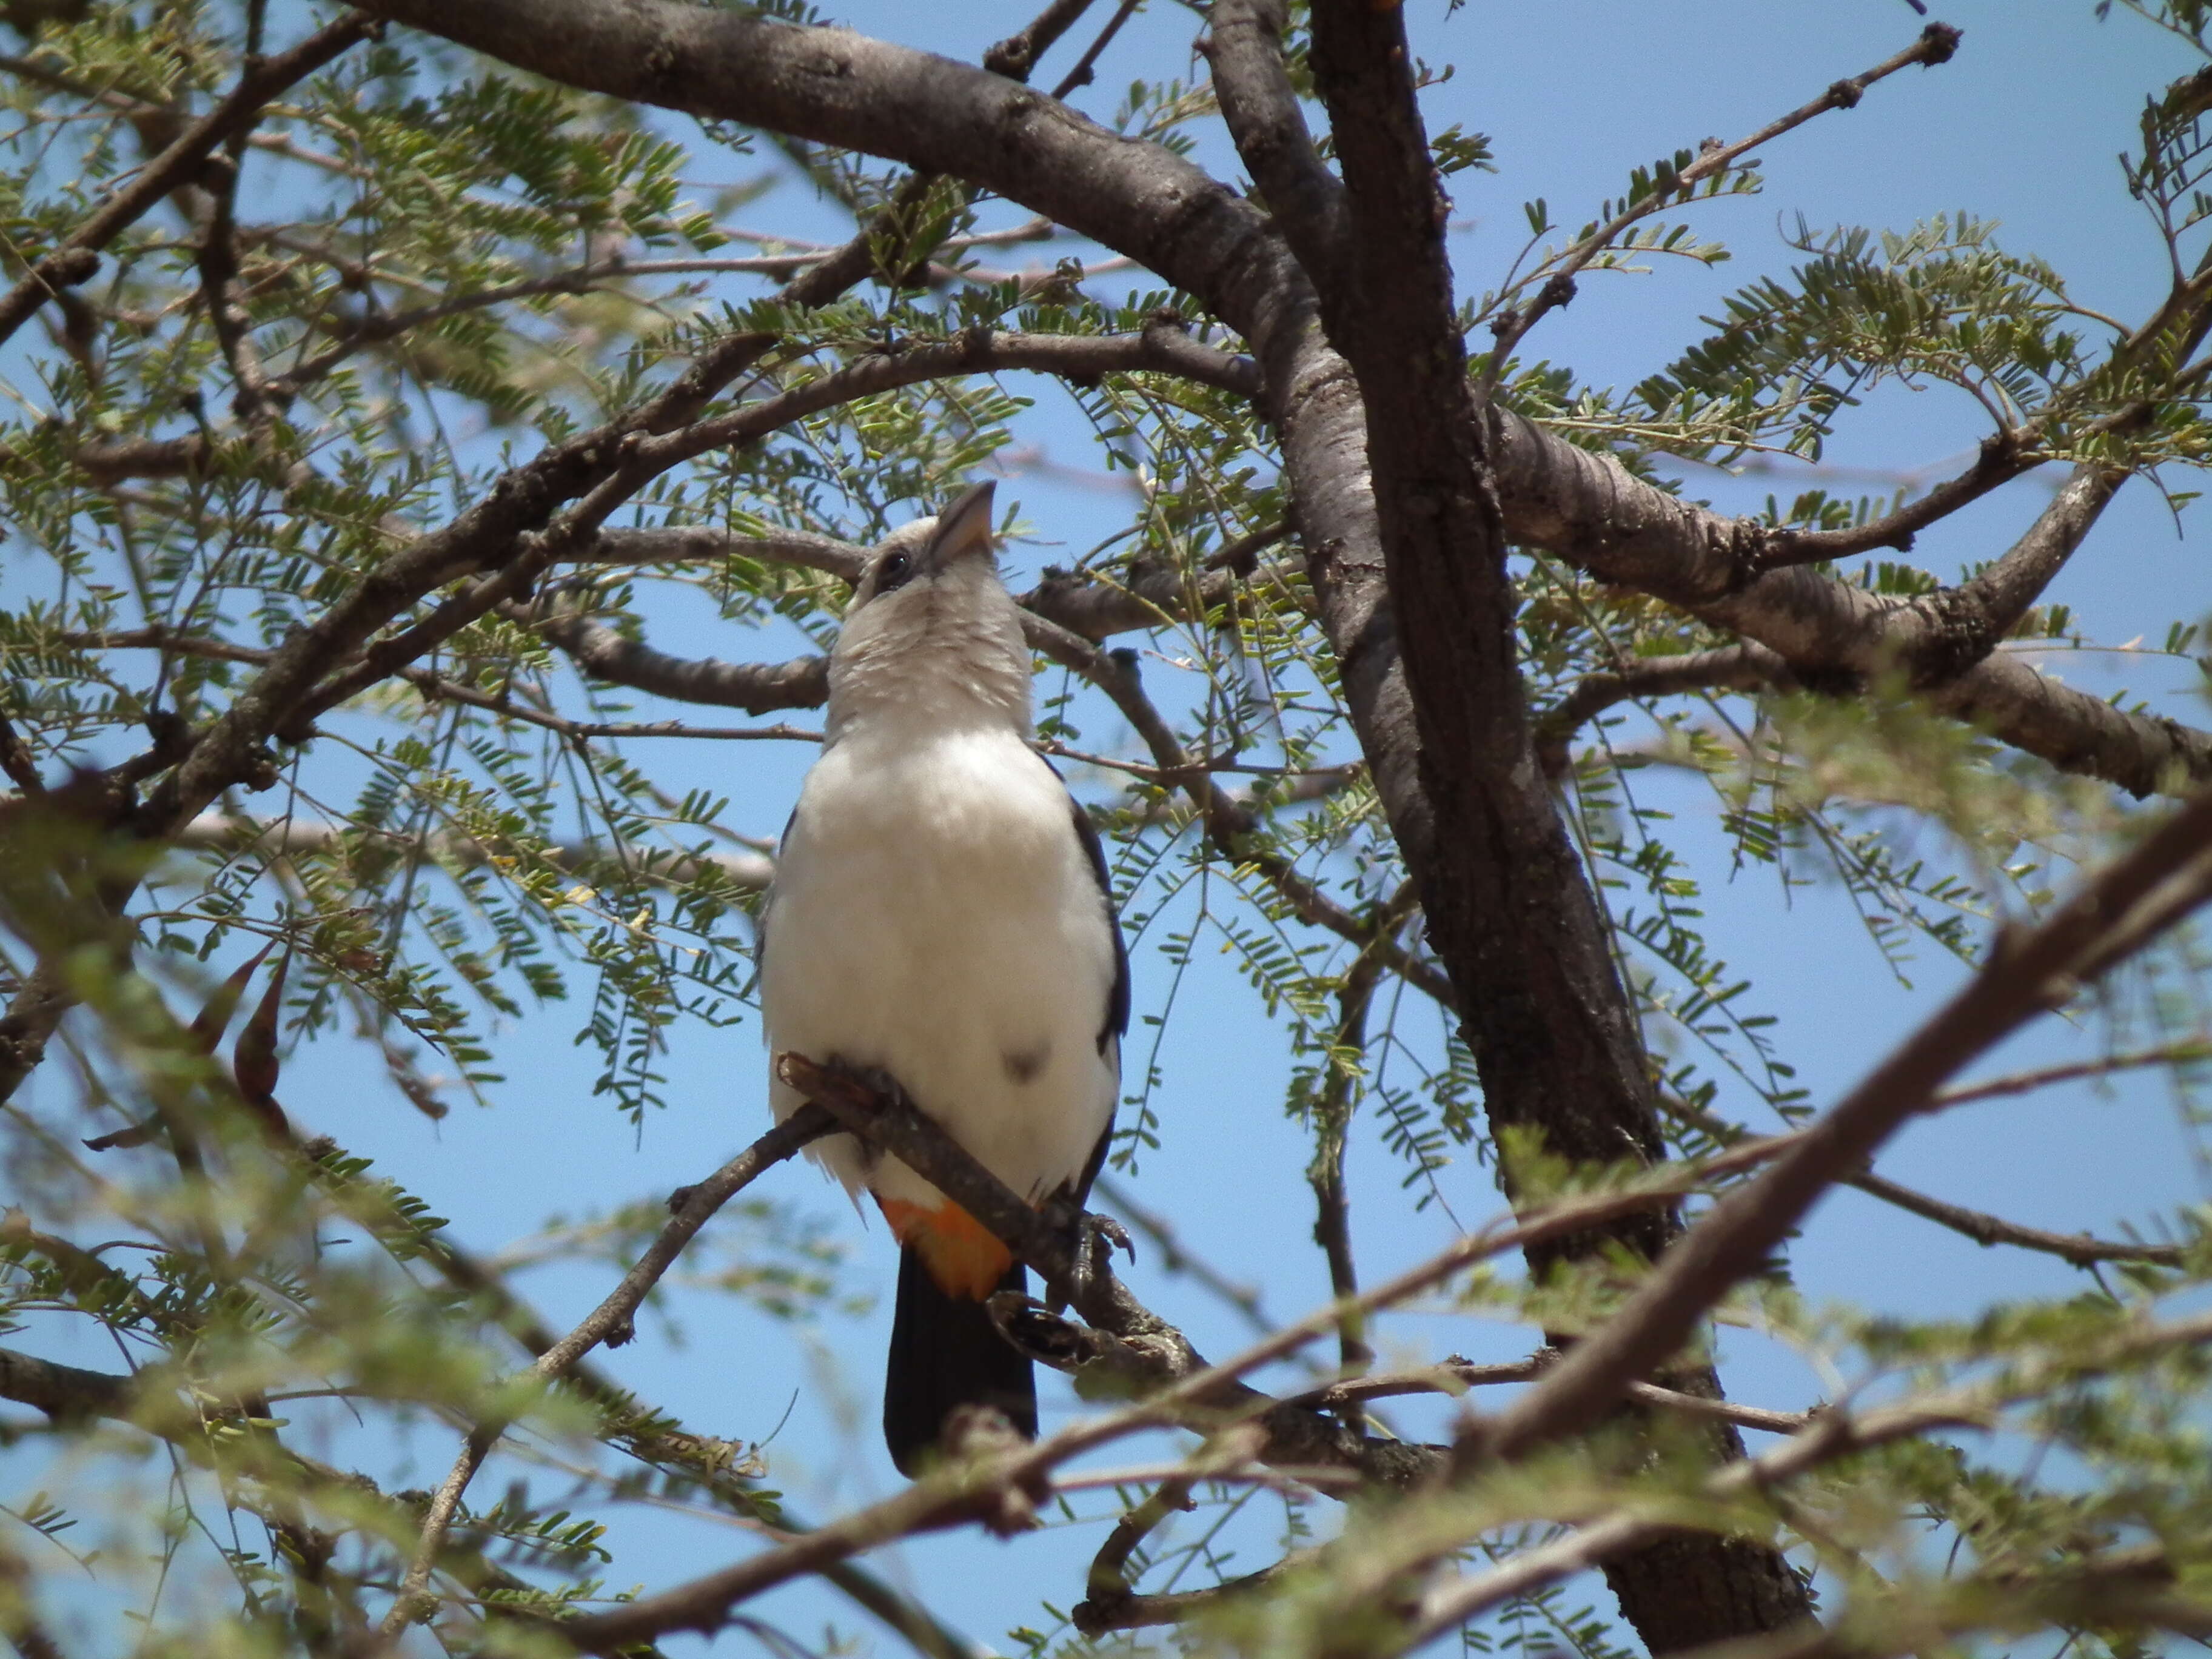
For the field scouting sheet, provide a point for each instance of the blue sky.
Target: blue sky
(2024, 127)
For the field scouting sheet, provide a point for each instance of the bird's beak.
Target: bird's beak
(963, 530)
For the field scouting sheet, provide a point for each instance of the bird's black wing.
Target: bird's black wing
(1116, 1022)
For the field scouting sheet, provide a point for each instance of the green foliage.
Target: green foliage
(445, 272)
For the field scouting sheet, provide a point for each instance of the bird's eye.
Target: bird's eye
(893, 572)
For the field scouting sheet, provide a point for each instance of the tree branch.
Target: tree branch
(2081, 1249)
(608, 1322)
(1097, 1615)
(1152, 1355)
(63, 1392)
(1080, 75)
(1140, 1344)
(232, 748)
(645, 452)
(1507, 903)
(1017, 54)
(72, 1397)
(1150, 595)
(16, 760)
(1162, 211)
(278, 838)
(2042, 1077)
(1586, 509)
(254, 402)
(1936, 44)
(78, 257)
(699, 543)
(1228, 824)
(1107, 1583)
(1244, 42)
(2119, 912)
(1332, 1115)
(1731, 668)
(756, 688)
(1969, 620)
(1833, 1433)
(662, 1445)
(1999, 459)
(1455, 1376)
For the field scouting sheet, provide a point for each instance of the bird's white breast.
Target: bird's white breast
(935, 914)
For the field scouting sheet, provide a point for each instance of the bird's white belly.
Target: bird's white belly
(935, 916)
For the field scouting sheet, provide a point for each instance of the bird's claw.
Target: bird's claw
(1110, 1232)
(1091, 1239)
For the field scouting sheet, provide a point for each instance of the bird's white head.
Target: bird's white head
(933, 639)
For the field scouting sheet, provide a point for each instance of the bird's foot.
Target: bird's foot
(1102, 1234)
(1090, 1242)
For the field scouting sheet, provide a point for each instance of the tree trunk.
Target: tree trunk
(1508, 908)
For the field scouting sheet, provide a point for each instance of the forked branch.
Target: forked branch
(2114, 916)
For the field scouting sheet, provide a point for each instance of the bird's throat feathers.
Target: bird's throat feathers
(939, 660)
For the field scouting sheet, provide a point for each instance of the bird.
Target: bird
(942, 914)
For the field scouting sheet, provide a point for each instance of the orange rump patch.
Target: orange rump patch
(962, 1255)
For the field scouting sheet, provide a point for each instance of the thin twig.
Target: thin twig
(2082, 1250)
(1745, 667)
(1332, 1228)
(2150, 888)
(1827, 1435)
(77, 256)
(1080, 75)
(2020, 1082)
(612, 1315)
(1017, 55)
(1229, 826)
(1937, 42)
(279, 838)
(16, 760)
(1107, 1583)
(1456, 1375)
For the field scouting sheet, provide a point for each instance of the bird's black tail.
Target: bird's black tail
(945, 1354)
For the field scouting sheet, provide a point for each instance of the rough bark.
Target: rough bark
(1508, 907)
